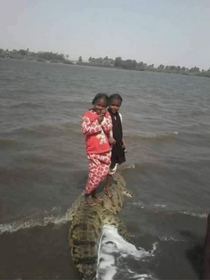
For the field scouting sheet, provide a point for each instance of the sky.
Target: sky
(168, 32)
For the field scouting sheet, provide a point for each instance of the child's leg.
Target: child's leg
(98, 169)
(103, 167)
(90, 200)
(112, 170)
(93, 179)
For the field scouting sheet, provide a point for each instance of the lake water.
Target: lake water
(43, 168)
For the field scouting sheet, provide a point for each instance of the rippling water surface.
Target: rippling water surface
(43, 168)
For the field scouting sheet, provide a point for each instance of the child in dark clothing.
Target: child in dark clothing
(116, 138)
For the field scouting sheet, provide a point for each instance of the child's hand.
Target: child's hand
(103, 111)
(100, 118)
(123, 145)
(102, 115)
(112, 141)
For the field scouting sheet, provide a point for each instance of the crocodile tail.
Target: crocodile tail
(84, 238)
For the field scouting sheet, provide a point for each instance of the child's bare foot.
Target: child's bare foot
(98, 197)
(108, 191)
(90, 200)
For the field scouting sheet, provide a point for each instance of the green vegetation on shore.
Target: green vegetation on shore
(118, 62)
(33, 56)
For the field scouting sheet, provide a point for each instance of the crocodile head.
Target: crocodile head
(120, 181)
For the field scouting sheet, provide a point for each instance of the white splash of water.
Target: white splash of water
(113, 248)
(52, 217)
(130, 166)
(170, 238)
(199, 215)
(160, 205)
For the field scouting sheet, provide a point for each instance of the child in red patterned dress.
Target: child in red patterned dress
(96, 125)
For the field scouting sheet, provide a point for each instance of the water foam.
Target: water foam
(159, 206)
(198, 215)
(142, 205)
(165, 238)
(56, 219)
(130, 166)
(113, 253)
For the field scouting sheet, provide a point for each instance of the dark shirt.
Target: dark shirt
(118, 154)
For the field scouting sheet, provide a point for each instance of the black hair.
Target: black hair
(115, 96)
(100, 96)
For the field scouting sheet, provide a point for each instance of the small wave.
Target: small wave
(167, 135)
(168, 211)
(165, 238)
(49, 130)
(130, 166)
(143, 276)
(153, 138)
(53, 218)
(146, 166)
(26, 104)
(142, 205)
(8, 143)
(160, 205)
(199, 215)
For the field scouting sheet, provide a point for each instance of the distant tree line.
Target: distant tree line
(39, 56)
(118, 62)
(130, 64)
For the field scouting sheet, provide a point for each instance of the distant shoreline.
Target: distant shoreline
(118, 63)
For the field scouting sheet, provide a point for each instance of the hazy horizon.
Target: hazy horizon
(153, 31)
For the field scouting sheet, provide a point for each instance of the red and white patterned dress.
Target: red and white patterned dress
(97, 147)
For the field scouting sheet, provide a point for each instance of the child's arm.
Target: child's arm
(107, 127)
(112, 141)
(89, 128)
(107, 123)
(123, 144)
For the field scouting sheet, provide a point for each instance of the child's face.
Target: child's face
(115, 105)
(100, 106)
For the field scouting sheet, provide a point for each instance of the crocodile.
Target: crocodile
(87, 224)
